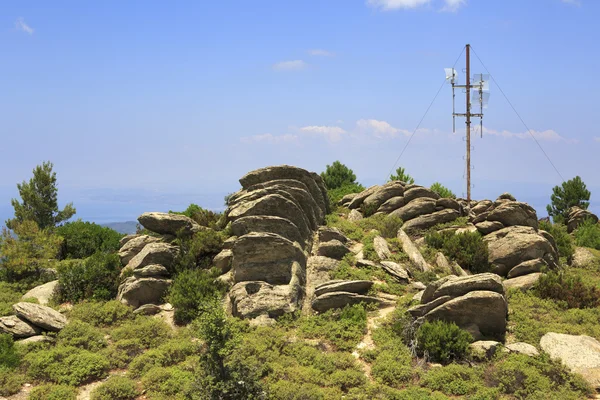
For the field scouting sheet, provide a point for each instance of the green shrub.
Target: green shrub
(121, 352)
(442, 341)
(524, 377)
(392, 366)
(369, 252)
(166, 355)
(442, 190)
(83, 239)
(170, 382)
(115, 388)
(53, 392)
(567, 287)
(468, 249)
(82, 335)
(8, 296)
(453, 379)
(151, 332)
(95, 278)
(66, 365)
(401, 175)
(11, 381)
(571, 193)
(202, 216)
(101, 314)
(386, 224)
(343, 328)
(8, 354)
(191, 289)
(564, 241)
(337, 175)
(198, 251)
(588, 234)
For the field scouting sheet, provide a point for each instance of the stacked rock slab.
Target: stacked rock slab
(31, 320)
(149, 258)
(475, 303)
(420, 208)
(274, 217)
(577, 216)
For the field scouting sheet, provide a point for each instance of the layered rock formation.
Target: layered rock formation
(274, 217)
(31, 320)
(577, 216)
(475, 303)
(149, 258)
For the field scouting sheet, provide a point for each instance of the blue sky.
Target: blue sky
(148, 105)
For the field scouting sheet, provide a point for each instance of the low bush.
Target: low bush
(203, 217)
(172, 382)
(53, 392)
(8, 354)
(151, 332)
(95, 278)
(369, 252)
(569, 288)
(454, 379)
(191, 289)
(343, 328)
(392, 365)
(101, 314)
(386, 224)
(442, 190)
(564, 241)
(9, 295)
(442, 341)
(198, 251)
(83, 239)
(468, 249)
(65, 365)
(11, 381)
(588, 234)
(82, 335)
(121, 352)
(166, 355)
(115, 388)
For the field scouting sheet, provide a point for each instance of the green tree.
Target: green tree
(82, 239)
(40, 200)
(27, 250)
(570, 194)
(401, 175)
(338, 175)
(442, 190)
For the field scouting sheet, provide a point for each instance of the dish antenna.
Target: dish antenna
(477, 92)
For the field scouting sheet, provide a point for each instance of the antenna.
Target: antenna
(480, 94)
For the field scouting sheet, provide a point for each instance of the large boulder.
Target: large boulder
(154, 253)
(463, 285)
(253, 299)
(41, 316)
(581, 354)
(396, 270)
(577, 216)
(326, 234)
(354, 216)
(392, 204)
(333, 249)
(136, 292)
(512, 213)
(415, 208)
(513, 245)
(223, 260)
(527, 267)
(384, 193)
(42, 293)
(133, 246)
(523, 282)
(381, 248)
(418, 191)
(168, 224)
(358, 200)
(267, 223)
(481, 313)
(17, 327)
(430, 220)
(266, 257)
(487, 227)
(151, 271)
(481, 207)
(313, 181)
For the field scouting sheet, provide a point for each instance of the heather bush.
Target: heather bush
(563, 240)
(468, 249)
(115, 388)
(588, 234)
(8, 354)
(82, 335)
(151, 332)
(53, 392)
(165, 355)
(569, 288)
(442, 341)
(83, 239)
(101, 314)
(11, 381)
(198, 251)
(343, 328)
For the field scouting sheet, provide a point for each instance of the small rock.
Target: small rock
(354, 216)
(527, 267)
(418, 296)
(333, 249)
(341, 299)
(360, 287)
(42, 293)
(418, 285)
(147, 309)
(381, 248)
(326, 234)
(394, 269)
(522, 348)
(35, 339)
(151, 271)
(524, 282)
(484, 349)
(223, 260)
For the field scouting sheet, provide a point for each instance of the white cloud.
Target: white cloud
(332, 133)
(379, 129)
(22, 26)
(320, 52)
(269, 138)
(548, 135)
(295, 65)
(397, 4)
(453, 5)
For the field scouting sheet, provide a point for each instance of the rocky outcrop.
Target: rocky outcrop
(512, 213)
(168, 224)
(154, 253)
(527, 267)
(223, 260)
(413, 252)
(475, 303)
(398, 272)
(354, 216)
(136, 292)
(274, 217)
(42, 293)
(577, 216)
(40, 316)
(581, 354)
(511, 246)
(133, 246)
(427, 221)
(524, 282)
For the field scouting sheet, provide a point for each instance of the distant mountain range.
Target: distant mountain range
(126, 228)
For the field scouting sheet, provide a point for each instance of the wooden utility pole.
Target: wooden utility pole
(468, 88)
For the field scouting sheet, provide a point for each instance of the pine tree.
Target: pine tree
(40, 200)
(570, 194)
(401, 175)
(337, 175)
